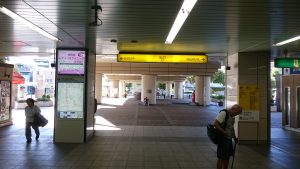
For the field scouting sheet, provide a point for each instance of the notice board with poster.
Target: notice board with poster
(4, 100)
(249, 99)
(6, 73)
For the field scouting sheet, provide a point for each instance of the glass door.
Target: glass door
(287, 105)
(298, 107)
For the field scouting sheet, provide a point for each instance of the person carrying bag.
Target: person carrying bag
(225, 148)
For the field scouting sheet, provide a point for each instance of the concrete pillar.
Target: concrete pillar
(115, 87)
(149, 88)
(178, 90)
(98, 87)
(168, 91)
(206, 90)
(122, 88)
(199, 86)
(176, 86)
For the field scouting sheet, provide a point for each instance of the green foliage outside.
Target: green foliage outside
(161, 86)
(44, 98)
(190, 79)
(129, 85)
(218, 77)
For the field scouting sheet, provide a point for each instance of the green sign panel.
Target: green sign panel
(287, 62)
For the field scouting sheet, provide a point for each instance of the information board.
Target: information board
(249, 100)
(70, 62)
(70, 100)
(4, 100)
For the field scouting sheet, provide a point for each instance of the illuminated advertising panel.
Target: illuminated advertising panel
(71, 62)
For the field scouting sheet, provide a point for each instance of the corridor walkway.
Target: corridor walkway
(169, 135)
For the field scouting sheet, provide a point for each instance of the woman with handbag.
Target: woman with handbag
(30, 111)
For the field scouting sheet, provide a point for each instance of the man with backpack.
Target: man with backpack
(224, 123)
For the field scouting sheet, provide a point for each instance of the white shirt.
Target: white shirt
(30, 112)
(229, 128)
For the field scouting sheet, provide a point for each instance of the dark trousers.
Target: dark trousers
(28, 130)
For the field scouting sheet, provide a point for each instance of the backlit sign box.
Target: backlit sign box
(287, 62)
(71, 62)
(161, 58)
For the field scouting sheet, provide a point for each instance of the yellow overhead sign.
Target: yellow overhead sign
(162, 58)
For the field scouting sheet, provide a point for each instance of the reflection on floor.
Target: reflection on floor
(133, 136)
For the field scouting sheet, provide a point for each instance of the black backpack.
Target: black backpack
(214, 134)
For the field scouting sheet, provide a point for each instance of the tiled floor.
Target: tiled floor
(132, 136)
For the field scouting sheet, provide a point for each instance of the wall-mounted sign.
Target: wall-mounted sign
(161, 58)
(287, 62)
(249, 100)
(70, 62)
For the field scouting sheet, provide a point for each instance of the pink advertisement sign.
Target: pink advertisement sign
(70, 62)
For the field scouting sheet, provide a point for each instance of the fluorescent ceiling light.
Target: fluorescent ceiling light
(27, 23)
(287, 41)
(183, 13)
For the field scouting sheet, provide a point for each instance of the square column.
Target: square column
(149, 88)
(253, 72)
(199, 86)
(98, 87)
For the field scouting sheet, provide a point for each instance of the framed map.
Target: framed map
(70, 100)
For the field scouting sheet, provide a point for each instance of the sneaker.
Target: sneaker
(28, 140)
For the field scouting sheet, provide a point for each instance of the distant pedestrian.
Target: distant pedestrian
(30, 111)
(194, 97)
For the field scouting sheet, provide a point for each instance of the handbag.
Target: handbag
(40, 120)
(214, 134)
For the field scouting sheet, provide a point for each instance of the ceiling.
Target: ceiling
(214, 27)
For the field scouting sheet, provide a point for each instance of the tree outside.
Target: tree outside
(218, 77)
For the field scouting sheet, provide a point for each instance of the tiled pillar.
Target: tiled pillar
(149, 88)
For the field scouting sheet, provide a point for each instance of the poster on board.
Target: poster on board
(71, 62)
(249, 98)
(70, 100)
(4, 100)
